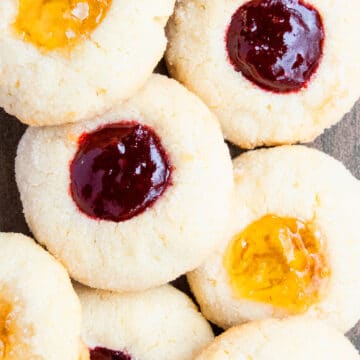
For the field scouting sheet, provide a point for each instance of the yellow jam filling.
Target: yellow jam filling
(54, 24)
(5, 311)
(14, 335)
(278, 261)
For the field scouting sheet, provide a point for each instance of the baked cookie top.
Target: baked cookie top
(293, 338)
(65, 61)
(127, 200)
(294, 244)
(274, 72)
(35, 322)
(158, 324)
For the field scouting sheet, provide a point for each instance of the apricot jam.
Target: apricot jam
(14, 334)
(278, 261)
(54, 24)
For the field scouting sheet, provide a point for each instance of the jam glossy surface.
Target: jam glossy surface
(106, 354)
(276, 44)
(15, 335)
(278, 261)
(119, 171)
(6, 328)
(54, 24)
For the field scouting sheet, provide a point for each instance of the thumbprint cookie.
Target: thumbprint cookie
(295, 244)
(39, 310)
(134, 198)
(64, 61)
(295, 339)
(273, 71)
(157, 324)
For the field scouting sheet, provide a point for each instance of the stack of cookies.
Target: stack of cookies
(127, 184)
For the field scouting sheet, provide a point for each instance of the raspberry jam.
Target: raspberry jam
(105, 354)
(276, 44)
(119, 171)
(278, 261)
(54, 24)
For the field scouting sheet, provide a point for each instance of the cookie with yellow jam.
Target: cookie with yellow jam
(39, 310)
(63, 61)
(295, 339)
(294, 244)
(158, 324)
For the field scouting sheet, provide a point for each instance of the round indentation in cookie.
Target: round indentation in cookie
(30, 305)
(277, 44)
(118, 171)
(279, 261)
(100, 353)
(161, 323)
(129, 201)
(69, 60)
(286, 253)
(15, 335)
(293, 338)
(59, 23)
(272, 71)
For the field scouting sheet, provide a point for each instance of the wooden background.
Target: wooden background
(342, 142)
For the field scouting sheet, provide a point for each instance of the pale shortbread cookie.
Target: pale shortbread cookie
(48, 88)
(295, 339)
(297, 182)
(171, 237)
(251, 116)
(39, 310)
(158, 324)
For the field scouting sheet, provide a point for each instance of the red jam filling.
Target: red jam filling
(119, 171)
(105, 354)
(276, 44)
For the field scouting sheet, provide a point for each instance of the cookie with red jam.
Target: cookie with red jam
(273, 71)
(157, 324)
(294, 244)
(64, 61)
(134, 198)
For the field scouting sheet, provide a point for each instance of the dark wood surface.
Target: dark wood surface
(342, 142)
